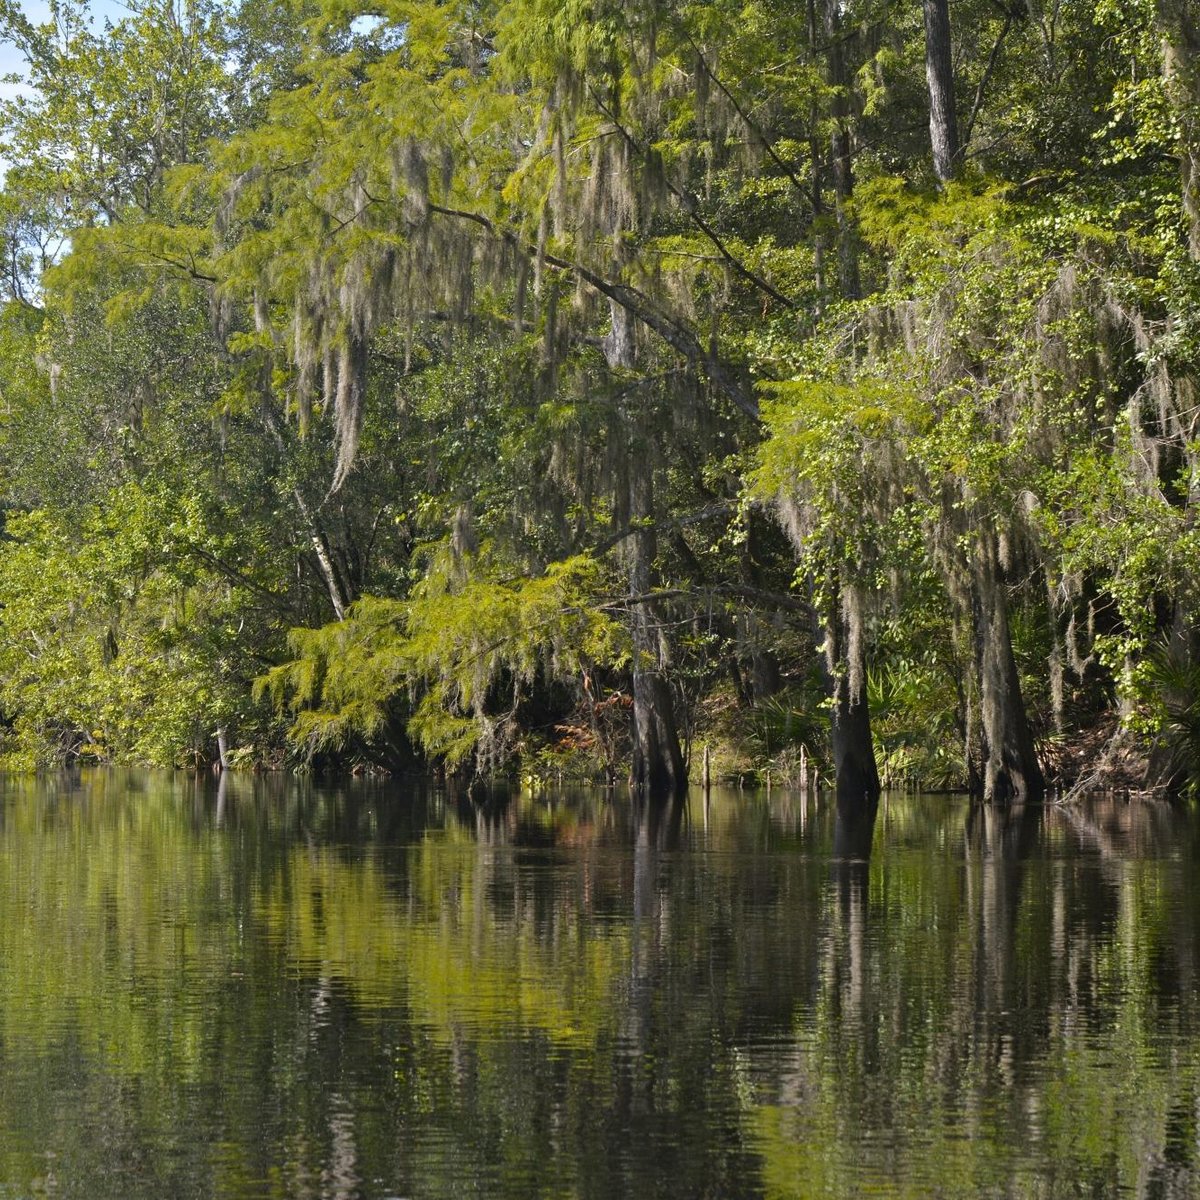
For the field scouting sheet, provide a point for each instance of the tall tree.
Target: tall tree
(939, 73)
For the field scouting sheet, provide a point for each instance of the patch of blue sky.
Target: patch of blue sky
(11, 61)
(365, 24)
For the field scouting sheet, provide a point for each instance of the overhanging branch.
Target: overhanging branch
(678, 336)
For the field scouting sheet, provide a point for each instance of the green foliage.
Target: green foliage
(460, 651)
(115, 646)
(834, 456)
(349, 283)
(914, 718)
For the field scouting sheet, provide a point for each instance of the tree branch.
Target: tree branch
(678, 336)
(768, 146)
(984, 79)
(691, 208)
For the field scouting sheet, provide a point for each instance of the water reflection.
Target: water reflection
(263, 987)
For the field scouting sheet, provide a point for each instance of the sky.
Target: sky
(37, 11)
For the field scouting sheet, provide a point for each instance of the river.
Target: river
(275, 988)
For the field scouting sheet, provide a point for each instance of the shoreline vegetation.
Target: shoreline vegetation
(579, 389)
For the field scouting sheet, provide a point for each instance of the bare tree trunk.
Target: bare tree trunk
(337, 598)
(1010, 767)
(843, 160)
(856, 774)
(657, 768)
(939, 71)
(1180, 23)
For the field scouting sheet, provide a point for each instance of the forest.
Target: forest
(790, 390)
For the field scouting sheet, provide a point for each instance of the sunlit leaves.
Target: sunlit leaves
(443, 652)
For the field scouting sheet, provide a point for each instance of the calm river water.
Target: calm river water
(285, 990)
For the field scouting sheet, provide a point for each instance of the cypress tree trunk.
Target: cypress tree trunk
(853, 751)
(1010, 768)
(1171, 766)
(1181, 71)
(843, 161)
(657, 767)
(855, 771)
(857, 776)
(763, 676)
(939, 71)
(816, 172)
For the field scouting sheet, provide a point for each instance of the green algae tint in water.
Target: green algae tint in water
(282, 991)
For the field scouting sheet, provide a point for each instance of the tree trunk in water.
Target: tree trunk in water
(939, 71)
(843, 161)
(855, 771)
(853, 753)
(657, 768)
(1172, 764)
(1010, 768)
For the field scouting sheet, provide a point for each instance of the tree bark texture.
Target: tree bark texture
(842, 151)
(657, 767)
(1010, 767)
(855, 771)
(1179, 21)
(939, 71)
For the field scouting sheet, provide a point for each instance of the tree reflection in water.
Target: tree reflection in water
(273, 988)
